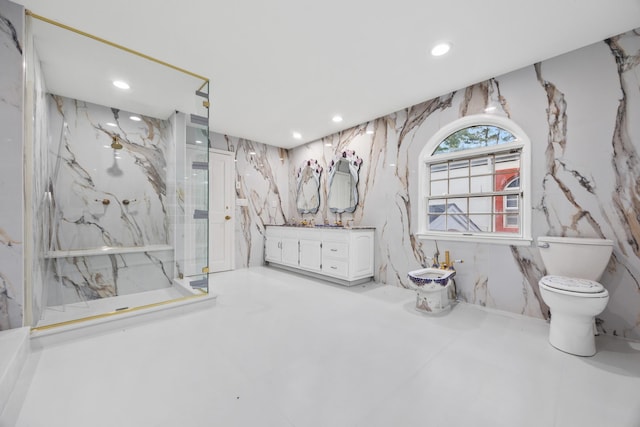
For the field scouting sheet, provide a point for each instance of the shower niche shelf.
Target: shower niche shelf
(107, 250)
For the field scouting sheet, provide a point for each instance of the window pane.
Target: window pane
(459, 186)
(514, 184)
(505, 178)
(474, 137)
(480, 223)
(437, 222)
(438, 188)
(480, 205)
(482, 165)
(509, 223)
(481, 184)
(456, 206)
(512, 220)
(439, 171)
(457, 222)
(511, 201)
(508, 161)
(459, 168)
(436, 206)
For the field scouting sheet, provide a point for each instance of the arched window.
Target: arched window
(475, 182)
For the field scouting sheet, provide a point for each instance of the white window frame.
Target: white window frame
(523, 238)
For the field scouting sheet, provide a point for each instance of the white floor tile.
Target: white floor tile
(279, 349)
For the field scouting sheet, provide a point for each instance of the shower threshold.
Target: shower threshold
(105, 308)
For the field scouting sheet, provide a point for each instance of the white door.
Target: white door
(221, 210)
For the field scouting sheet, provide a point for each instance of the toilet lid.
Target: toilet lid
(572, 284)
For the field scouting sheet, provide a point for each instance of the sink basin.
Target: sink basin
(431, 275)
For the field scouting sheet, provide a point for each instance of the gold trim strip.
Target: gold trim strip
(117, 46)
(113, 313)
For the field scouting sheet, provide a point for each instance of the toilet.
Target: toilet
(571, 290)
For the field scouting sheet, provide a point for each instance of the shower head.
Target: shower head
(116, 145)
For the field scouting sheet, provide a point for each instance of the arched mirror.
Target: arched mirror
(343, 182)
(308, 188)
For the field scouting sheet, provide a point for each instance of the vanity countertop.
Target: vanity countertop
(329, 227)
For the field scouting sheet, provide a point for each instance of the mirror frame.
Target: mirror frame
(316, 171)
(354, 169)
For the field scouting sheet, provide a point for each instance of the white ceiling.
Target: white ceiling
(290, 65)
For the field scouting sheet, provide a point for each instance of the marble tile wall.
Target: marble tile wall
(11, 166)
(100, 196)
(262, 177)
(581, 112)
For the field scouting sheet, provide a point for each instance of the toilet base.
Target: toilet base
(573, 334)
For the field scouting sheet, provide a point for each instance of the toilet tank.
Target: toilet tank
(580, 257)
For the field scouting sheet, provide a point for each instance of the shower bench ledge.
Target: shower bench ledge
(107, 250)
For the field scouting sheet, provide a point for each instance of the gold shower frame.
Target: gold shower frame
(205, 104)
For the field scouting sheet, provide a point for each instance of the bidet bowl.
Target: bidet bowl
(431, 275)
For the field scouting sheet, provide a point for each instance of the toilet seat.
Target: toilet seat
(572, 284)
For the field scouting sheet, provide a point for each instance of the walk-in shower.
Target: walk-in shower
(119, 185)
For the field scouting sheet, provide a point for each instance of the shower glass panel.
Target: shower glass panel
(120, 183)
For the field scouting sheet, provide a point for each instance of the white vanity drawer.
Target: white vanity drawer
(335, 267)
(335, 249)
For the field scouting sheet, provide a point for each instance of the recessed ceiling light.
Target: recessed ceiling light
(252, 153)
(297, 135)
(198, 142)
(120, 84)
(328, 144)
(135, 118)
(111, 124)
(369, 132)
(440, 49)
(337, 119)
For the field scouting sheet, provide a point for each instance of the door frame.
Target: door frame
(230, 199)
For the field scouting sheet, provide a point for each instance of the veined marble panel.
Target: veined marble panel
(11, 166)
(100, 196)
(77, 279)
(262, 177)
(103, 196)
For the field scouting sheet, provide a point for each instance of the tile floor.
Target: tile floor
(282, 350)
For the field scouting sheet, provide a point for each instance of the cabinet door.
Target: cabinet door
(290, 251)
(310, 255)
(272, 250)
(361, 255)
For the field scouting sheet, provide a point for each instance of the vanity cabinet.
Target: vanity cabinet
(340, 255)
(310, 253)
(282, 248)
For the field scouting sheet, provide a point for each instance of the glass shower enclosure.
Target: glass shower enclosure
(119, 186)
